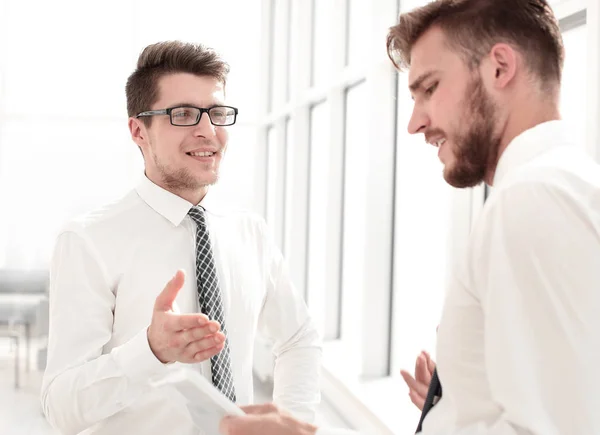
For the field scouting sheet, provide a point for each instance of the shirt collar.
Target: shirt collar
(530, 144)
(172, 207)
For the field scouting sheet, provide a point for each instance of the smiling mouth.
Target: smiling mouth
(438, 143)
(202, 154)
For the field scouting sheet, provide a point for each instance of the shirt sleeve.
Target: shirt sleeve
(284, 320)
(82, 385)
(536, 271)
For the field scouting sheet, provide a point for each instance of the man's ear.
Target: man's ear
(138, 131)
(504, 61)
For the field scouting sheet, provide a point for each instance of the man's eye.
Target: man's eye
(183, 114)
(431, 89)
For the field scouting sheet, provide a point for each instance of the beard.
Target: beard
(176, 180)
(182, 179)
(476, 150)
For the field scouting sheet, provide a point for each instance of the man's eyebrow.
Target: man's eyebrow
(419, 80)
(213, 104)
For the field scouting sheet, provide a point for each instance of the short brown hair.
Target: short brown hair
(163, 58)
(474, 26)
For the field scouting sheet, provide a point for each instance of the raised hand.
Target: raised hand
(419, 384)
(187, 338)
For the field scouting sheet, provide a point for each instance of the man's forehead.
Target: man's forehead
(188, 87)
(428, 53)
(187, 80)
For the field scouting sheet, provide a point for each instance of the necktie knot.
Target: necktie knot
(197, 215)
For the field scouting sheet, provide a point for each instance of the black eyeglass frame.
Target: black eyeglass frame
(202, 110)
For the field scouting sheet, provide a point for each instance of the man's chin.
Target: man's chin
(448, 173)
(461, 181)
(207, 181)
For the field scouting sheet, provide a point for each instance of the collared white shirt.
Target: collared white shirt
(107, 269)
(519, 339)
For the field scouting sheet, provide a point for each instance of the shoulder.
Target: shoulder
(558, 181)
(94, 224)
(561, 169)
(536, 212)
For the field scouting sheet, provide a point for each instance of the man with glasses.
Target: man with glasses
(114, 323)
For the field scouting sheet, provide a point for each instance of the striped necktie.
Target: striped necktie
(209, 296)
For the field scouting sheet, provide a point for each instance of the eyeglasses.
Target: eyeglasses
(185, 116)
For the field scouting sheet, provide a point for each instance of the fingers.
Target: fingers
(417, 363)
(184, 339)
(265, 419)
(205, 343)
(263, 408)
(207, 353)
(414, 385)
(198, 344)
(240, 425)
(430, 364)
(410, 381)
(205, 348)
(181, 322)
(190, 335)
(226, 426)
(229, 424)
(417, 391)
(416, 399)
(422, 373)
(164, 301)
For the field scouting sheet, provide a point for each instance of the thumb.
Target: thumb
(242, 424)
(225, 425)
(166, 298)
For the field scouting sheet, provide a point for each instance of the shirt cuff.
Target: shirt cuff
(137, 360)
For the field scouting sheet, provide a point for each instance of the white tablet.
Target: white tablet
(206, 405)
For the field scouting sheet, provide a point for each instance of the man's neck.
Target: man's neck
(519, 121)
(193, 196)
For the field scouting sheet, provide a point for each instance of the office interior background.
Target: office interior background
(359, 208)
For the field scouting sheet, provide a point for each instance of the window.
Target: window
(321, 42)
(317, 217)
(354, 214)
(293, 47)
(573, 102)
(279, 91)
(289, 176)
(275, 184)
(358, 36)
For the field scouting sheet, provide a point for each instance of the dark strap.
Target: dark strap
(435, 390)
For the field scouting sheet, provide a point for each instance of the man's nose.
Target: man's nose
(419, 121)
(204, 127)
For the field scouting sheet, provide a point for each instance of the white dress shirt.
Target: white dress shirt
(107, 269)
(519, 339)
